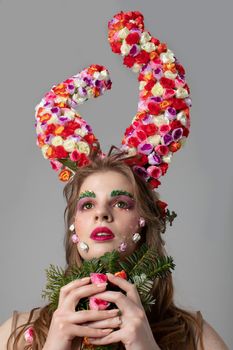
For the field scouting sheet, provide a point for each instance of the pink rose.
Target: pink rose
(94, 302)
(98, 304)
(98, 277)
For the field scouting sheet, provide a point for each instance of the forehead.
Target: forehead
(106, 182)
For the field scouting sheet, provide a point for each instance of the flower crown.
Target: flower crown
(160, 126)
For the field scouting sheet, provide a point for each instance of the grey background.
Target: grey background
(45, 42)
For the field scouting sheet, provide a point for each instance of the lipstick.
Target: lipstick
(102, 233)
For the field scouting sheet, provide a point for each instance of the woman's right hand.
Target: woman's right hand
(66, 323)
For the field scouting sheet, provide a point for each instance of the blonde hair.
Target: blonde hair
(172, 327)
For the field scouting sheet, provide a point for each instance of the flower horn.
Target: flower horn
(161, 124)
(63, 135)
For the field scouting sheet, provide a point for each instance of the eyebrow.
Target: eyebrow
(87, 194)
(115, 193)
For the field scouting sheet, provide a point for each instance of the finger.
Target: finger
(118, 298)
(84, 316)
(113, 337)
(72, 299)
(113, 322)
(64, 291)
(82, 331)
(128, 287)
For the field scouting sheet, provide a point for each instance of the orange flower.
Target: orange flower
(44, 117)
(59, 130)
(121, 274)
(64, 175)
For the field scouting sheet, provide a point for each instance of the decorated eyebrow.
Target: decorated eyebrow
(87, 194)
(115, 193)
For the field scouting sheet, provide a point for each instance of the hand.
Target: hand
(134, 332)
(67, 323)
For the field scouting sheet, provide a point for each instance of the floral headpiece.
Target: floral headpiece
(160, 126)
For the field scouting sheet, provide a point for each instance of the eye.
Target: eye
(122, 205)
(87, 205)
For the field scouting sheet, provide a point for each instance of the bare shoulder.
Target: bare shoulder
(6, 327)
(211, 339)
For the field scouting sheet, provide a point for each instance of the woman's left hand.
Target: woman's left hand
(134, 331)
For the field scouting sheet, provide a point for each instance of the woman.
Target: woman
(107, 193)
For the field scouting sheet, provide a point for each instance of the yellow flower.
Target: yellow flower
(167, 57)
(145, 37)
(57, 141)
(69, 145)
(168, 74)
(154, 140)
(148, 47)
(44, 150)
(181, 93)
(157, 90)
(125, 49)
(83, 147)
(123, 33)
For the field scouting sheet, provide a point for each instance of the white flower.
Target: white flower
(83, 147)
(53, 119)
(44, 150)
(69, 113)
(167, 57)
(168, 74)
(181, 116)
(136, 68)
(132, 151)
(167, 158)
(145, 37)
(181, 93)
(123, 33)
(125, 48)
(90, 93)
(157, 90)
(160, 120)
(154, 140)
(80, 132)
(148, 47)
(79, 82)
(142, 84)
(57, 141)
(69, 145)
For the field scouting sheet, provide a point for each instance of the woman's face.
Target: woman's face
(105, 202)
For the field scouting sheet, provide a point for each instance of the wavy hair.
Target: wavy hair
(172, 327)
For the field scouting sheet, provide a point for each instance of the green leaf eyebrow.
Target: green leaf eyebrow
(115, 193)
(87, 194)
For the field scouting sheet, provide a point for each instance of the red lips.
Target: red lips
(103, 230)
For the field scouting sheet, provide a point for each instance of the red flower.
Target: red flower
(162, 206)
(154, 108)
(116, 47)
(83, 160)
(143, 57)
(162, 150)
(132, 38)
(163, 167)
(129, 61)
(150, 129)
(178, 103)
(154, 183)
(60, 152)
(133, 141)
(167, 83)
(149, 85)
(50, 129)
(180, 69)
(141, 135)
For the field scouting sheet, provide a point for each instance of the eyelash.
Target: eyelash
(127, 205)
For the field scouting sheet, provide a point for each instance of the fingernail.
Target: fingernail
(85, 279)
(113, 311)
(109, 274)
(101, 284)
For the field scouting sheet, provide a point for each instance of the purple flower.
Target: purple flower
(145, 148)
(177, 134)
(154, 159)
(167, 139)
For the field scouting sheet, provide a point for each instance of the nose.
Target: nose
(103, 213)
